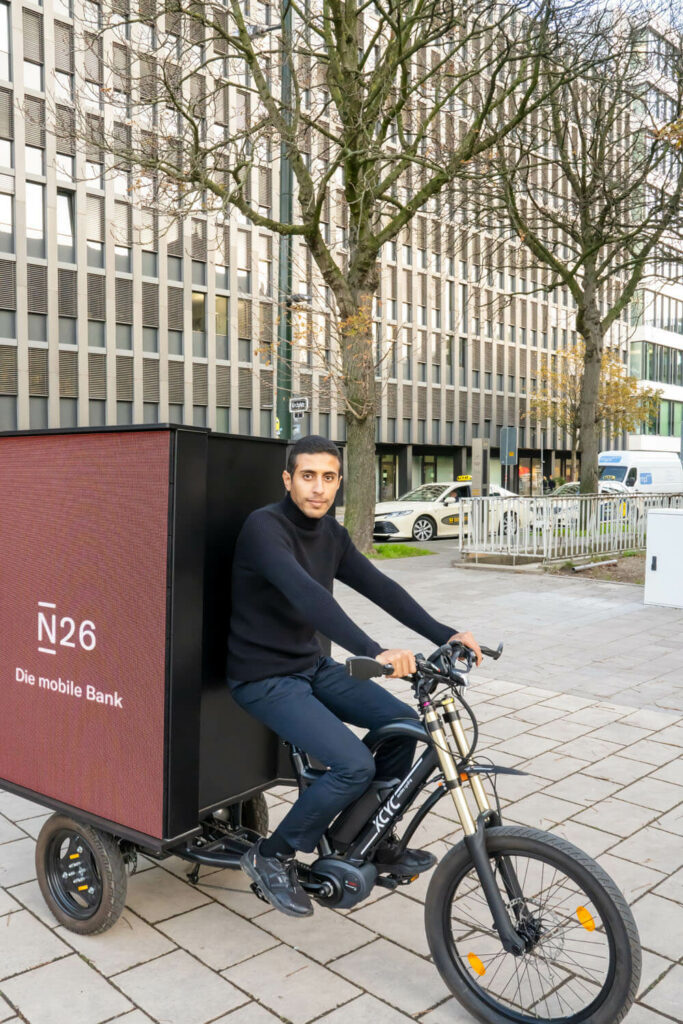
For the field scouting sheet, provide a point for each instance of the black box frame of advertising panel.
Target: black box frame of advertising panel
(214, 753)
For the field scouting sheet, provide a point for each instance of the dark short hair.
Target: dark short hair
(313, 444)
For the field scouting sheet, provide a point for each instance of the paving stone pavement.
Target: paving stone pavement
(588, 699)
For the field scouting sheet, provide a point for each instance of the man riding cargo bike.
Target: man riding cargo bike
(286, 558)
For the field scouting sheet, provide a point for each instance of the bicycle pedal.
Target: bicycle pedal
(406, 879)
(386, 881)
(258, 892)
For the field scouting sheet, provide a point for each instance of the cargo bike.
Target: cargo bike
(522, 926)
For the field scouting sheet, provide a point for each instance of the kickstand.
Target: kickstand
(193, 876)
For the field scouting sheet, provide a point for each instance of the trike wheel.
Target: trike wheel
(81, 873)
(255, 814)
(582, 959)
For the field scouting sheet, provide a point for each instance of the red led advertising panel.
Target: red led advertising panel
(83, 555)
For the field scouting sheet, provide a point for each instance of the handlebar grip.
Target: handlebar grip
(367, 668)
(489, 653)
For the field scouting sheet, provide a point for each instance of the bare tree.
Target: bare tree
(593, 187)
(377, 107)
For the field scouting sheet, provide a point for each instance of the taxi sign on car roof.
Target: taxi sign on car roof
(463, 476)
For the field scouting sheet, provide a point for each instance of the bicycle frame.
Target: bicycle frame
(439, 754)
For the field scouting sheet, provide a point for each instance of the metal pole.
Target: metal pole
(284, 327)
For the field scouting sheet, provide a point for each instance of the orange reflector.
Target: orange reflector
(476, 964)
(82, 887)
(414, 878)
(585, 918)
(464, 776)
(74, 856)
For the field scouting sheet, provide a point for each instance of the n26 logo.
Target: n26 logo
(54, 631)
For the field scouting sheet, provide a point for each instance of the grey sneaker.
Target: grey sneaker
(276, 878)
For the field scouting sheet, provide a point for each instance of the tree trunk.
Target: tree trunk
(589, 430)
(359, 383)
(359, 488)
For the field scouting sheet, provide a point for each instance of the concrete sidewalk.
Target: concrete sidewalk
(587, 699)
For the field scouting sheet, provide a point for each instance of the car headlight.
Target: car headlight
(394, 515)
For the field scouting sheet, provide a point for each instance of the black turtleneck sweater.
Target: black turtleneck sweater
(282, 574)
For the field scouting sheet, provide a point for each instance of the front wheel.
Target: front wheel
(424, 529)
(582, 958)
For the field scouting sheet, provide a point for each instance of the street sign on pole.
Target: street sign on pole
(508, 446)
(299, 404)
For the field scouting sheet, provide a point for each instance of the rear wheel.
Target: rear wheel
(424, 528)
(582, 959)
(81, 873)
(255, 814)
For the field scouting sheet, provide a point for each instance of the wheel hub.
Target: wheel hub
(72, 875)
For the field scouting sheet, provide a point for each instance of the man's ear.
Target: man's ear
(287, 480)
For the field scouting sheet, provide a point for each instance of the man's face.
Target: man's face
(314, 483)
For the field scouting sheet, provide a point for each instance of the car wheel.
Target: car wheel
(424, 529)
(510, 524)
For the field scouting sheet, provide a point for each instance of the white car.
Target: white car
(566, 513)
(427, 512)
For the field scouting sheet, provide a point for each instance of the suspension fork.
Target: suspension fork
(474, 833)
(507, 872)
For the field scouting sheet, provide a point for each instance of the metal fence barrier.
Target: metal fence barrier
(551, 527)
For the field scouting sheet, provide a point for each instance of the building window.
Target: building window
(222, 327)
(68, 412)
(34, 160)
(33, 76)
(124, 413)
(150, 264)
(150, 412)
(175, 343)
(8, 324)
(198, 272)
(243, 261)
(150, 339)
(97, 409)
(175, 268)
(5, 38)
(37, 327)
(67, 330)
(244, 425)
(222, 278)
(96, 333)
(122, 259)
(6, 223)
(35, 220)
(199, 324)
(66, 237)
(124, 336)
(37, 413)
(265, 266)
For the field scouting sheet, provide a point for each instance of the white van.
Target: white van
(643, 472)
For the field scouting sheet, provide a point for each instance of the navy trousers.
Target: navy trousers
(309, 710)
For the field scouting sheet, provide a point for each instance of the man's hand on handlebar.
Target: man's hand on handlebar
(467, 640)
(402, 662)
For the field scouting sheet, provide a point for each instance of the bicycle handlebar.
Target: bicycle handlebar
(369, 668)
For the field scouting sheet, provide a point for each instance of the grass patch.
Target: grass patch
(397, 551)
